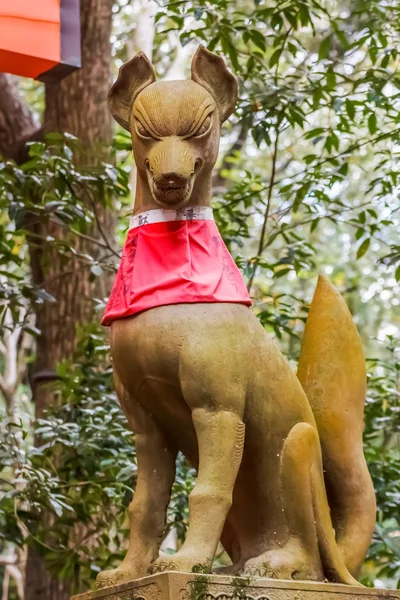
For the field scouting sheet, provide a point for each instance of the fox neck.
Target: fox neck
(200, 196)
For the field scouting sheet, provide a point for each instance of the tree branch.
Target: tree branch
(218, 182)
(268, 207)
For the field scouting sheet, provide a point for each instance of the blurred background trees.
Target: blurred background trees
(307, 182)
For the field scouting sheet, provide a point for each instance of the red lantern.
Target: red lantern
(40, 38)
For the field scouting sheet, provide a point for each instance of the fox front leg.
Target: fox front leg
(220, 437)
(147, 511)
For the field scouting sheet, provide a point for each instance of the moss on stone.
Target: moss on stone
(240, 585)
(198, 587)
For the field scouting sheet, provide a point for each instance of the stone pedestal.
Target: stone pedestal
(192, 586)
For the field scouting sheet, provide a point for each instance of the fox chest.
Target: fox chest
(146, 354)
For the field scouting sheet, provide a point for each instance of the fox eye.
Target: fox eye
(142, 131)
(204, 127)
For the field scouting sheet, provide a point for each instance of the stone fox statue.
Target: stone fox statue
(282, 480)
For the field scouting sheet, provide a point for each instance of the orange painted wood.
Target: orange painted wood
(30, 33)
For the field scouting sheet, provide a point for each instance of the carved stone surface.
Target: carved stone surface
(186, 586)
(196, 372)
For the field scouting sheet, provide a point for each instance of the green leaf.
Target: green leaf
(292, 17)
(313, 133)
(341, 36)
(231, 51)
(304, 14)
(214, 42)
(360, 233)
(363, 248)
(385, 61)
(314, 224)
(372, 125)
(383, 39)
(350, 108)
(281, 272)
(317, 97)
(373, 51)
(54, 137)
(276, 21)
(275, 57)
(324, 48)
(330, 79)
(397, 274)
(300, 195)
(258, 39)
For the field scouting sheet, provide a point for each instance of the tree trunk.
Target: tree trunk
(40, 584)
(77, 105)
(17, 124)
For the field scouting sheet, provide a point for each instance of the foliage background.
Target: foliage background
(307, 182)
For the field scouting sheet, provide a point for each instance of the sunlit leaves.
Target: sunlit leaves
(83, 471)
(50, 188)
(382, 431)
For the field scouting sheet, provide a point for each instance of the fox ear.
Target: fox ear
(133, 77)
(209, 71)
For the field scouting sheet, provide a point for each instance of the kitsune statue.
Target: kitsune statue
(282, 480)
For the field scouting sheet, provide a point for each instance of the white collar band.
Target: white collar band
(162, 215)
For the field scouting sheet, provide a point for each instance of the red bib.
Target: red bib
(173, 262)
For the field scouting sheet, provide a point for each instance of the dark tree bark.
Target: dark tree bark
(77, 105)
(17, 125)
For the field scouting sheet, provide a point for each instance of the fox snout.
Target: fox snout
(171, 188)
(171, 169)
(171, 180)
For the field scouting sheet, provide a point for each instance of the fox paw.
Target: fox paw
(180, 561)
(282, 564)
(116, 576)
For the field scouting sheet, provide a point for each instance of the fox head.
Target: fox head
(175, 127)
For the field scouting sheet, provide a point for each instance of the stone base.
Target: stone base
(191, 586)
